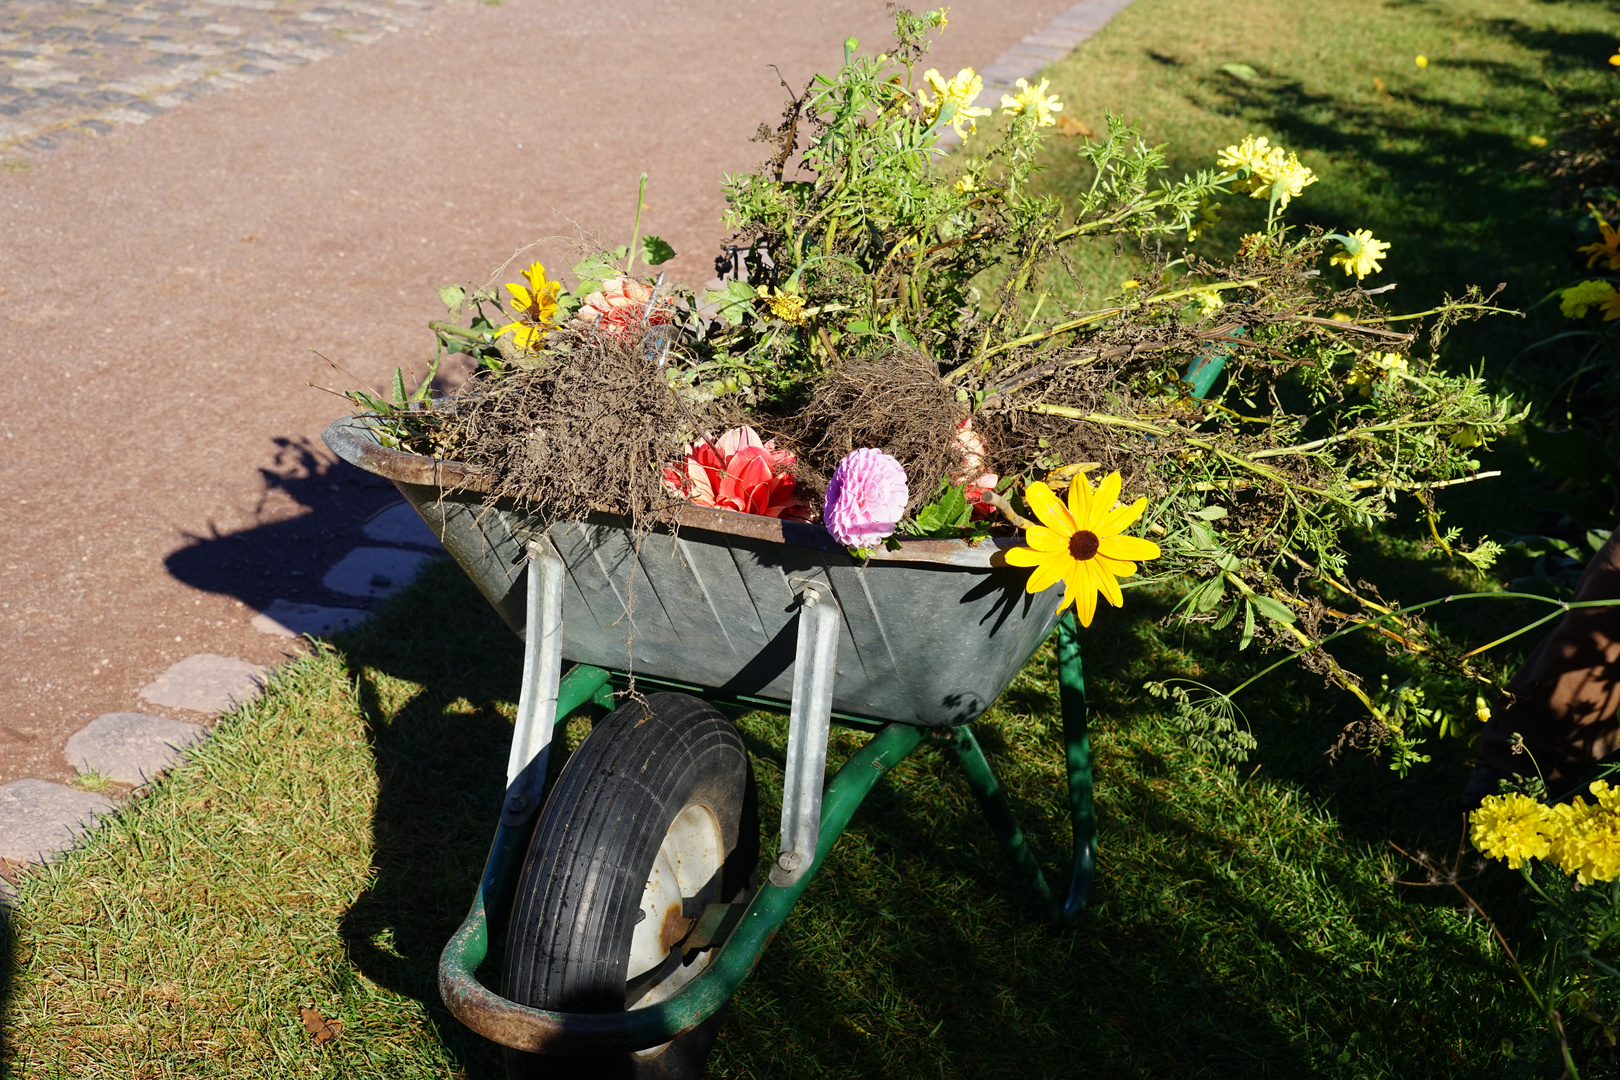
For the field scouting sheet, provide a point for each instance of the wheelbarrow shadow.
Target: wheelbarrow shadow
(440, 759)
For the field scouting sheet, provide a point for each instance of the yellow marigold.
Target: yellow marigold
(1585, 839)
(1359, 253)
(1208, 303)
(1269, 171)
(1575, 300)
(1032, 101)
(961, 91)
(1248, 154)
(1607, 249)
(784, 305)
(1511, 827)
(1370, 369)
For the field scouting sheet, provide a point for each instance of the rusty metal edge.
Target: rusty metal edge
(351, 439)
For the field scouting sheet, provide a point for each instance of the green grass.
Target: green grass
(1431, 159)
(318, 850)
(321, 846)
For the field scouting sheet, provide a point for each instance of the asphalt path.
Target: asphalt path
(165, 287)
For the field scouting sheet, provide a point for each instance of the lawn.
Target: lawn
(319, 849)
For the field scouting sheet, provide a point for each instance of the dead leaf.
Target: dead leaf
(323, 1030)
(1068, 125)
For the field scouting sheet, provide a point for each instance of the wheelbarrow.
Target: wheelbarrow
(630, 890)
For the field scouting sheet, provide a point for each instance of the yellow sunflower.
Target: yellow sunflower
(1082, 544)
(535, 306)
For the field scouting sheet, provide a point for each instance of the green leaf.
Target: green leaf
(1227, 616)
(1274, 610)
(1209, 594)
(400, 398)
(731, 303)
(1241, 72)
(594, 270)
(655, 250)
(1248, 626)
(946, 516)
(453, 297)
(1210, 513)
(860, 328)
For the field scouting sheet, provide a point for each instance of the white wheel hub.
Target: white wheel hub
(688, 859)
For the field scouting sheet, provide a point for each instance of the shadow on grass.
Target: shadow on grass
(913, 953)
(440, 759)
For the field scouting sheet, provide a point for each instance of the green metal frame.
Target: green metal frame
(525, 1028)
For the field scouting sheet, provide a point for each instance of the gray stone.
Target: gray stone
(130, 747)
(400, 524)
(293, 620)
(40, 819)
(206, 683)
(374, 572)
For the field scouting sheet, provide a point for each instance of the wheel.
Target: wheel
(653, 817)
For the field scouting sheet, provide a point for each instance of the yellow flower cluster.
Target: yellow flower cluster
(1267, 172)
(1575, 300)
(961, 91)
(1578, 837)
(1371, 368)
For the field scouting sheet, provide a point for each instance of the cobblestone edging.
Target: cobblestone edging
(71, 68)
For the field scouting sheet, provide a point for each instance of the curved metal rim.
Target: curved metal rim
(352, 439)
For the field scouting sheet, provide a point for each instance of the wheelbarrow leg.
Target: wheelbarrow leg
(542, 674)
(1077, 751)
(815, 664)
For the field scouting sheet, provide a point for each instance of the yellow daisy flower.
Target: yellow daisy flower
(1586, 839)
(1511, 827)
(1371, 368)
(1272, 172)
(535, 306)
(1081, 544)
(1359, 253)
(784, 305)
(961, 92)
(1608, 248)
(1032, 101)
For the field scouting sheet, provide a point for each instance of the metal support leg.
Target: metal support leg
(1077, 747)
(993, 801)
(542, 672)
(815, 665)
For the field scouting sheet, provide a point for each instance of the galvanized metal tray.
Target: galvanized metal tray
(930, 634)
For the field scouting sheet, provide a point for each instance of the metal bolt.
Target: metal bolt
(517, 803)
(789, 860)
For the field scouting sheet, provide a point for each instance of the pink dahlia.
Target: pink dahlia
(973, 477)
(619, 308)
(866, 498)
(739, 472)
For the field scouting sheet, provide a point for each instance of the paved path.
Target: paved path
(165, 282)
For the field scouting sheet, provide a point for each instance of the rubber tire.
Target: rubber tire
(588, 863)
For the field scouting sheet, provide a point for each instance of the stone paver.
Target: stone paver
(39, 819)
(74, 67)
(206, 683)
(131, 748)
(399, 524)
(373, 571)
(288, 619)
